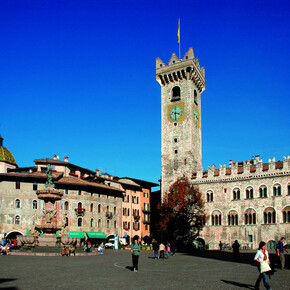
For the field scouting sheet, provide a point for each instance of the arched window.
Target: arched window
(17, 220)
(99, 208)
(263, 191)
(66, 206)
(17, 203)
(115, 210)
(99, 223)
(249, 193)
(288, 189)
(92, 207)
(269, 216)
(80, 206)
(209, 196)
(34, 204)
(176, 94)
(233, 218)
(108, 223)
(115, 224)
(286, 214)
(277, 190)
(250, 217)
(80, 222)
(66, 221)
(195, 97)
(216, 218)
(236, 194)
(92, 223)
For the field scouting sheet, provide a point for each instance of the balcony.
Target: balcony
(146, 221)
(136, 217)
(80, 211)
(109, 215)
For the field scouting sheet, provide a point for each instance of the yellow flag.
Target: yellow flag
(178, 31)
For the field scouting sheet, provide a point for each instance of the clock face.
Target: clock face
(196, 116)
(175, 113)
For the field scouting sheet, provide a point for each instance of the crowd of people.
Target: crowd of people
(6, 245)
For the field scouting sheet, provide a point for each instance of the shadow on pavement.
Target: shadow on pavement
(244, 257)
(129, 268)
(239, 284)
(6, 280)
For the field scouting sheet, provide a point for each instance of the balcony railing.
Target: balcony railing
(136, 217)
(80, 211)
(109, 214)
(146, 221)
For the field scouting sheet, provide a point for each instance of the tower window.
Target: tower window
(195, 97)
(175, 140)
(175, 151)
(175, 94)
(175, 124)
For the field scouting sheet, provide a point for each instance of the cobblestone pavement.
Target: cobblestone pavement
(112, 271)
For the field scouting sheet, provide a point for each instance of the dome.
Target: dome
(5, 154)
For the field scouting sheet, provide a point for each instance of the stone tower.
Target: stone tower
(182, 83)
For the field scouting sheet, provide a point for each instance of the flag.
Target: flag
(178, 31)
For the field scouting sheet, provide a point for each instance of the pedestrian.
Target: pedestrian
(135, 250)
(221, 245)
(155, 249)
(168, 250)
(262, 258)
(236, 251)
(173, 249)
(161, 250)
(280, 252)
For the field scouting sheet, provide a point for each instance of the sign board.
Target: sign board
(116, 244)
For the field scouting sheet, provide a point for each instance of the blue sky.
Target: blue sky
(77, 78)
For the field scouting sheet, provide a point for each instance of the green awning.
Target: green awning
(96, 235)
(74, 234)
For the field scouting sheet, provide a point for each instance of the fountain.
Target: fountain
(48, 223)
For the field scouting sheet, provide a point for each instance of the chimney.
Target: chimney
(54, 157)
(65, 159)
(97, 172)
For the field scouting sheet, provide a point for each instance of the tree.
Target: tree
(182, 212)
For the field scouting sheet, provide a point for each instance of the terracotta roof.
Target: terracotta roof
(55, 175)
(143, 183)
(78, 181)
(53, 161)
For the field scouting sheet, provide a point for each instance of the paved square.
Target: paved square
(110, 271)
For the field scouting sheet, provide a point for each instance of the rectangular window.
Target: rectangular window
(250, 238)
(17, 185)
(66, 191)
(34, 186)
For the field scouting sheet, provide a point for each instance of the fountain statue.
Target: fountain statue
(48, 223)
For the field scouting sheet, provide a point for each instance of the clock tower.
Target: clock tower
(182, 82)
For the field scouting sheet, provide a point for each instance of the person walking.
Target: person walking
(155, 249)
(168, 250)
(236, 251)
(161, 250)
(280, 252)
(262, 258)
(135, 250)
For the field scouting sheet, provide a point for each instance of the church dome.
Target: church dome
(5, 154)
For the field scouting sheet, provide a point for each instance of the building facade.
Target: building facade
(92, 204)
(248, 201)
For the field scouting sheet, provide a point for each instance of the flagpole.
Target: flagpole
(178, 36)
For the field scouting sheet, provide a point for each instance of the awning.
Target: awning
(96, 235)
(74, 234)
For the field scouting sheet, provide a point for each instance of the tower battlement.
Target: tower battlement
(177, 70)
(248, 169)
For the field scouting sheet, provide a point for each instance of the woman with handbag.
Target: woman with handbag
(262, 258)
